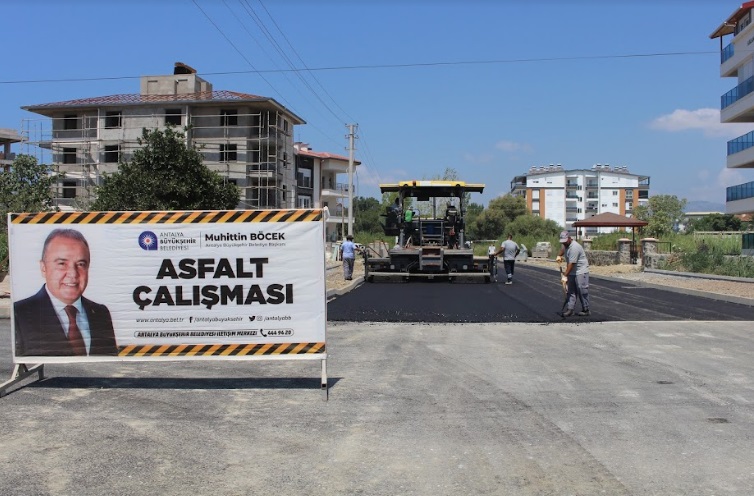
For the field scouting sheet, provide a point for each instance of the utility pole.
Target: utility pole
(351, 137)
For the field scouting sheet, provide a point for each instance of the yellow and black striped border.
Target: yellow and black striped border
(181, 217)
(182, 350)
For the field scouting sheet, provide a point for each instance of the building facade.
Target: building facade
(736, 36)
(247, 139)
(567, 196)
(7, 138)
(318, 186)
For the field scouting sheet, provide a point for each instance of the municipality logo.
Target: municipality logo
(148, 241)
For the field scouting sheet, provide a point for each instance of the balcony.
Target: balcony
(737, 105)
(739, 199)
(727, 53)
(741, 151)
(740, 192)
(340, 190)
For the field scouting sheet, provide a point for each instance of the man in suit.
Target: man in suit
(58, 320)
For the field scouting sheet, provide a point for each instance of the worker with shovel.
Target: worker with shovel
(577, 276)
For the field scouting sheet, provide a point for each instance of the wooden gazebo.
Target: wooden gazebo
(609, 219)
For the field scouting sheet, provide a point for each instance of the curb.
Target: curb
(693, 292)
(699, 276)
(339, 292)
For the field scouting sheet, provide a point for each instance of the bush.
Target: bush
(712, 255)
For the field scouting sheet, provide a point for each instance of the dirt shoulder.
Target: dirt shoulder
(637, 274)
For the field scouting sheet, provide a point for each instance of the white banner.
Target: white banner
(189, 284)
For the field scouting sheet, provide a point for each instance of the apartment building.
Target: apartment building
(737, 105)
(317, 185)
(7, 138)
(247, 139)
(566, 196)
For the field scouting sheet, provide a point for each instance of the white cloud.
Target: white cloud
(706, 120)
(512, 146)
(730, 177)
(712, 186)
(369, 177)
(478, 159)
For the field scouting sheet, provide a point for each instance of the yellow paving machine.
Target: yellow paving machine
(427, 220)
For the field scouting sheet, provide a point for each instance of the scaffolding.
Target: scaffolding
(251, 149)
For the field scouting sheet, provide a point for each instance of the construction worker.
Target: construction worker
(510, 251)
(577, 275)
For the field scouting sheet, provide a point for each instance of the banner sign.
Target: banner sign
(100, 286)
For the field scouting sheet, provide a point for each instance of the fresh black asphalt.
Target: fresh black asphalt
(536, 296)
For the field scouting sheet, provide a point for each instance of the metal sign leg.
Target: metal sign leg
(21, 372)
(324, 378)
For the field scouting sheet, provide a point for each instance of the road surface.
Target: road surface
(535, 296)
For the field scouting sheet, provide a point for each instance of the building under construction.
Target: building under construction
(247, 139)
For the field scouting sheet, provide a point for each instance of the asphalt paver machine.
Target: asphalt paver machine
(428, 223)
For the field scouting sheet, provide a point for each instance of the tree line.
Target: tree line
(165, 173)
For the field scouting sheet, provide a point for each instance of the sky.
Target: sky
(488, 88)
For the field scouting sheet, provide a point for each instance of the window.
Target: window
(228, 153)
(229, 117)
(113, 119)
(285, 126)
(173, 117)
(615, 193)
(304, 178)
(69, 155)
(285, 193)
(69, 189)
(615, 204)
(70, 121)
(304, 201)
(112, 154)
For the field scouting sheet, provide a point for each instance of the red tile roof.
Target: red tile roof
(324, 155)
(138, 99)
(729, 26)
(310, 153)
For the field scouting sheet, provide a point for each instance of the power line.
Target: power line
(260, 24)
(381, 66)
(254, 69)
(293, 49)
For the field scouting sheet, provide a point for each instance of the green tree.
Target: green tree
(473, 211)
(661, 212)
(165, 174)
(26, 187)
(367, 212)
(511, 206)
(491, 223)
(716, 222)
(532, 226)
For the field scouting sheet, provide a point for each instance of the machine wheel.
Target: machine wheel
(370, 278)
(486, 279)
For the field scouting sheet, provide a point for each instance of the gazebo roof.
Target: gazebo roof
(609, 219)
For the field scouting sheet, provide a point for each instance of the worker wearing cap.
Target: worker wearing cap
(348, 255)
(577, 275)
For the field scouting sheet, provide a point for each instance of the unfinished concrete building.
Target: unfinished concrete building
(247, 139)
(7, 138)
